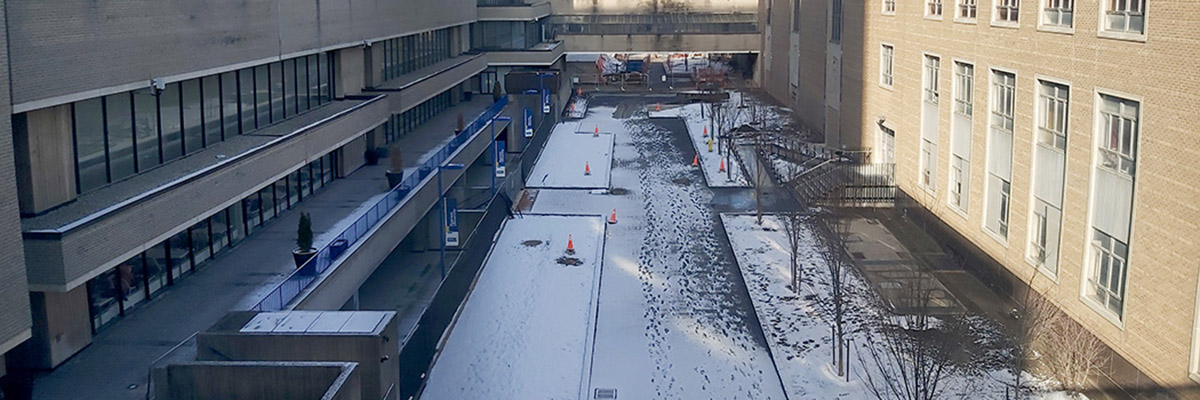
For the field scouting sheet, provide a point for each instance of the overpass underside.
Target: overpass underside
(696, 32)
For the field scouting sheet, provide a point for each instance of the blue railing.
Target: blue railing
(302, 277)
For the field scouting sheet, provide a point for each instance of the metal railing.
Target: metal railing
(302, 277)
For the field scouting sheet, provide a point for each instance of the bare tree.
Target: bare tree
(793, 226)
(760, 175)
(1063, 349)
(908, 358)
(834, 229)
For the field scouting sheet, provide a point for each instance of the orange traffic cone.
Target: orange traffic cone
(695, 160)
(658, 107)
(722, 165)
(587, 168)
(570, 245)
(612, 219)
(706, 131)
(572, 107)
(597, 131)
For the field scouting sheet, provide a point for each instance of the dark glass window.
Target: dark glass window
(193, 133)
(302, 84)
(318, 177)
(90, 163)
(119, 119)
(211, 87)
(219, 225)
(276, 93)
(131, 276)
(294, 194)
(181, 254)
(102, 298)
(289, 85)
(200, 242)
(267, 197)
(156, 267)
(262, 96)
(314, 81)
(325, 93)
(246, 93)
(237, 222)
(169, 122)
(229, 104)
(145, 127)
(281, 195)
(253, 206)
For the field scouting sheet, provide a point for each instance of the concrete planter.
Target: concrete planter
(302, 256)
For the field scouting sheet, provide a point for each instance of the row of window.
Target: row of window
(145, 275)
(406, 54)
(1118, 16)
(402, 123)
(120, 135)
(506, 35)
(1116, 132)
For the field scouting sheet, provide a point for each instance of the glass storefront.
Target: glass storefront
(146, 275)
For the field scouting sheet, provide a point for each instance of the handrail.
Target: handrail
(300, 279)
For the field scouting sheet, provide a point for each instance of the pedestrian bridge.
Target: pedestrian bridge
(732, 32)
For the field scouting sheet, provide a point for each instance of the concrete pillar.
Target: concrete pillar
(348, 72)
(373, 65)
(45, 161)
(61, 328)
(353, 155)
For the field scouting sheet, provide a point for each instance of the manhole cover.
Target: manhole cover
(571, 261)
(682, 181)
(605, 394)
(531, 243)
(618, 191)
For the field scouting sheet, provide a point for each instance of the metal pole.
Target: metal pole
(495, 155)
(442, 223)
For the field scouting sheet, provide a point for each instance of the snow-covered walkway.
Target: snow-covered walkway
(525, 330)
(575, 157)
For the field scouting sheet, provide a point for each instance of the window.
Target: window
(929, 163)
(1059, 13)
(959, 175)
(170, 116)
(118, 118)
(964, 80)
(1052, 115)
(145, 128)
(1108, 271)
(999, 177)
(835, 24)
(91, 165)
(889, 6)
(932, 64)
(933, 8)
(1125, 16)
(967, 9)
(1048, 171)
(193, 128)
(1119, 137)
(1007, 11)
(886, 57)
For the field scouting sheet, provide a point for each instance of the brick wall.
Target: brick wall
(14, 294)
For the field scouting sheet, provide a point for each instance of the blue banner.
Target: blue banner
(451, 221)
(545, 101)
(528, 123)
(501, 159)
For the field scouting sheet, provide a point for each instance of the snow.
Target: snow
(578, 108)
(569, 152)
(525, 330)
(710, 162)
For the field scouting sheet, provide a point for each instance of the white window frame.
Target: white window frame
(958, 199)
(1013, 8)
(1117, 320)
(1061, 7)
(964, 91)
(1005, 202)
(1098, 254)
(962, 7)
(929, 78)
(1123, 163)
(1194, 361)
(1107, 11)
(887, 65)
(934, 9)
(889, 7)
(1057, 141)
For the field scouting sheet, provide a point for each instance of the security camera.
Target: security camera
(157, 85)
(367, 43)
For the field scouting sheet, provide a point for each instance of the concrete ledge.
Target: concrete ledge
(412, 89)
(64, 258)
(717, 43)
(343, 279)
(526, 12)
(543, 55)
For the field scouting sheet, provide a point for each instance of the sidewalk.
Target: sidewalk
(116, 364)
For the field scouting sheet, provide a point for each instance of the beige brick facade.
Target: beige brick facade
(1159, 70)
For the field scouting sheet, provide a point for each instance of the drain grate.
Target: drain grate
(606, 393)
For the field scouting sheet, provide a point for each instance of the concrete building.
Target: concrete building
(1049, 137)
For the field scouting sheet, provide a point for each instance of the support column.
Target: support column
(45, 163)
(61, 328)
(348, 72)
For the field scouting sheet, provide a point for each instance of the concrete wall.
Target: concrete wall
(258, 380)
(14, 300)
(79, 254)
(67, 48)
(45, 158)
(1159, 325)
(729, 42)
(333, 289)
(61, 327)
(529, 12)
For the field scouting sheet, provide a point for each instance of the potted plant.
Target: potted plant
(304, 241)
(395, 172)
(461, 124)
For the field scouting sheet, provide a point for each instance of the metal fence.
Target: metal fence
(302, 277)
